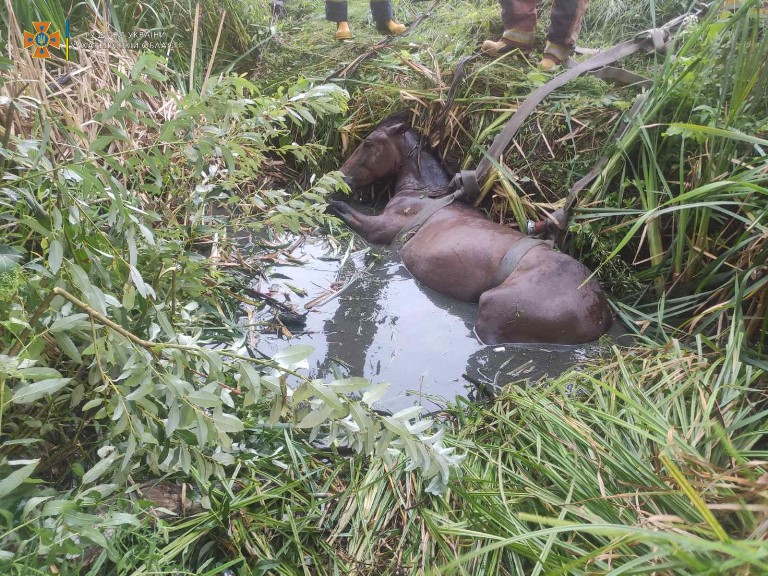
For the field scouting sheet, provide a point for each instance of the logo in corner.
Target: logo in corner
(41, 40)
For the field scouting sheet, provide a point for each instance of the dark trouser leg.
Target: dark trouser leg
(384, 18)
(519, 18)
(564, 27)
(336, 10)
(381, 10)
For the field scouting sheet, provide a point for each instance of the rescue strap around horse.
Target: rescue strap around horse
(413, 225)
(509, 262)
(514, 255)
(557, 221)
(655, 39)
(582, 183)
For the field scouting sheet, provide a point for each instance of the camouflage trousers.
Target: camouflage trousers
(519, 18)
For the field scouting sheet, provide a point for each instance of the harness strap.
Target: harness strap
(413, 225)
(504, 137)
(556, 222)
(654, 39)
(514, 255)
(585, 180)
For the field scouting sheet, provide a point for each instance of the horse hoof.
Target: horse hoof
(336, 207)
(291, 319)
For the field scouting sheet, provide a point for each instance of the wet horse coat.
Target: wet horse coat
(457, 251)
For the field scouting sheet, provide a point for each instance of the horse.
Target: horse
(528, 294)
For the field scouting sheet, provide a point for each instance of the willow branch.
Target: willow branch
(153, 347)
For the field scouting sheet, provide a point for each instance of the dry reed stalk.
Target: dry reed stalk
(195, 30)
(75, 102)
(213, 53)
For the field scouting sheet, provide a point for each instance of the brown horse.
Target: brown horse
(459, 253)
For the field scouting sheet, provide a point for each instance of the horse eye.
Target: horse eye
(367, 143)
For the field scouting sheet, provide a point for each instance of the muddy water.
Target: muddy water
(387, 327)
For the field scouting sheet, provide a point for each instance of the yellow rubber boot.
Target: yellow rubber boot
(497, 48)
(548, 63)
(554, 56)
(512, 39)
(342, 31)
(395, 28)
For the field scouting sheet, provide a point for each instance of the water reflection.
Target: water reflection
(350, 330)
(389, 328)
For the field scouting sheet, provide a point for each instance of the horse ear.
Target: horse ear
(397, 129)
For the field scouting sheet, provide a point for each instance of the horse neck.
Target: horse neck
(422, 173)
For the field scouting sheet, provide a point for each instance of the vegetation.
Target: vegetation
(141, 431)
(699, 226)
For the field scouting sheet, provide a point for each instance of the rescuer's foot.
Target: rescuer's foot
(512, 39)
(342, 31)
(394, 28)
(554, 56)
(549, 63)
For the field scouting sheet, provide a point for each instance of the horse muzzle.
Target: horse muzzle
(351, 181)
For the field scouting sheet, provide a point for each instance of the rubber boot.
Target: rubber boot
(342, 31)
(395, 28)
(336, 11)
(512, 39)
(381, 10)
(554, 56)
(549, 63)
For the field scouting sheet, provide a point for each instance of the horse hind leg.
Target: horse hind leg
(503, 318)
(519, 312)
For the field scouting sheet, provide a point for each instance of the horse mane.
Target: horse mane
(423, 149)
(402, 117)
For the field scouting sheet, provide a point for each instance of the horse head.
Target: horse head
(379, 157)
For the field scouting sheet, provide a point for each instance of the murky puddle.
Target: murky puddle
(368, 317)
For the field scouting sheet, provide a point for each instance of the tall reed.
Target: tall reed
(695, 184)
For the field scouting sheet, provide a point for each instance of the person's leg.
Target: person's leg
(519, 18)
(564, 28)
(336, 11)
(381, 10)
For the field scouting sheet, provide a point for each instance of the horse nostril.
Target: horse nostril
(347, 180)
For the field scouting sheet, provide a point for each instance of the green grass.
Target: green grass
(651, 460)
(690, 213)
